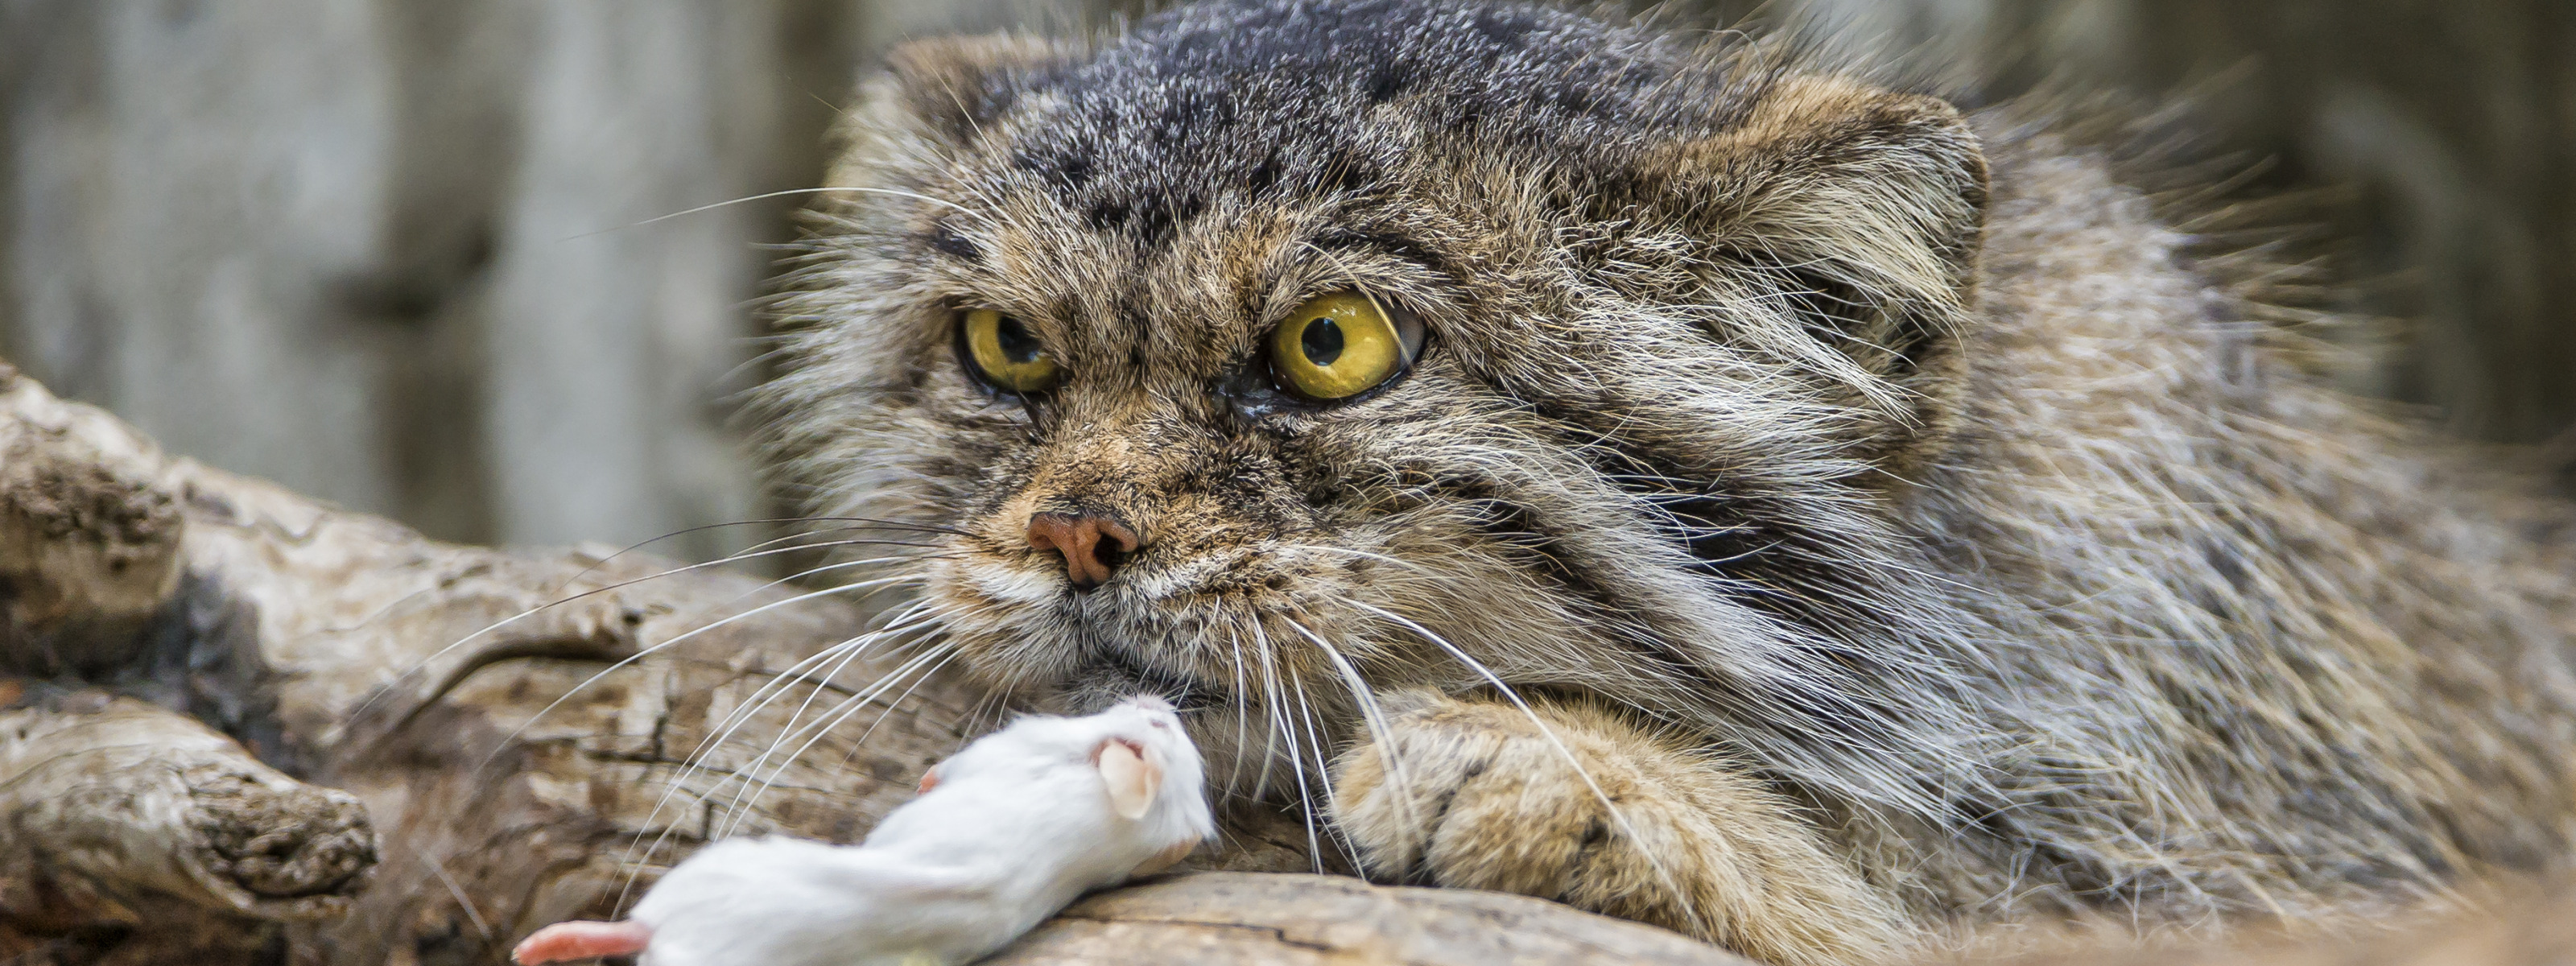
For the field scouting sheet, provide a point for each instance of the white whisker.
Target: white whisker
(742, 715)
(916, 196)
(1373, 718)
(640, 653)
(847, 707)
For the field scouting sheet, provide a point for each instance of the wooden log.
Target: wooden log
(89, 539)
(217, 697)
(534, 734)
(127, 827)
(1241, 919)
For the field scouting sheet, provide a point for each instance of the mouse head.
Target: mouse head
(1145, 759)
(1144, 751)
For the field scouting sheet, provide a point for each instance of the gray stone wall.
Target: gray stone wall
(395, 253)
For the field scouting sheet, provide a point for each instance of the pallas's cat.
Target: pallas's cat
(1651, 472)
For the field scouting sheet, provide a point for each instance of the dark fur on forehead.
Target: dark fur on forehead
(1269, 96)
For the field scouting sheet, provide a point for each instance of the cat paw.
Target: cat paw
(1576, 805)
(1476, 795)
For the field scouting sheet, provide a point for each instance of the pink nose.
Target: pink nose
(1091, 545)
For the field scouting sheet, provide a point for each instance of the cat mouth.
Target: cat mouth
(1119, 672)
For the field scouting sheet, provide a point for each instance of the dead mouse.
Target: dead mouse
(1004, 834)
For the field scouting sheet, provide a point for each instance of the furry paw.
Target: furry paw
(1570, 803)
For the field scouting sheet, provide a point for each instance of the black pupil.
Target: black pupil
(1015, 343)
(1322, 341)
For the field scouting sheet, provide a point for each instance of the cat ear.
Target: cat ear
(1132, 778)
(935, 94)
(929, 780)
(954, 86)
(1861, 211)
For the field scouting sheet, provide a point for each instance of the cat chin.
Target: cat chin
(1111, 678)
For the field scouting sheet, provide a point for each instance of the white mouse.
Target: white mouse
(1004, 834)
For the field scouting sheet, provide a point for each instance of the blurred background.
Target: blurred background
(393, 253)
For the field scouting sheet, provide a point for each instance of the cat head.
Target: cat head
(1269, 348)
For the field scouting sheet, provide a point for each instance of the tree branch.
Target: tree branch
(209, 686)
(118, 813)
(522, 726)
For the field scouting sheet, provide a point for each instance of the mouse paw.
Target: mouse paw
(1571, 803)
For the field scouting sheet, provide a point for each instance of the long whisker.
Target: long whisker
(750, 708)
(790, 726)
(1271, 699)
(1242, 719)
(841, 565)
(756, 784)
(1296, 753)
(1323, 776)
(433, 657)
(717, 734)
(995, 703)
(1372, 717)
(901, 623)
(848, 523)
(897, 623)
(640, 653)
(791, 729)
(969, 212)
(842, 712)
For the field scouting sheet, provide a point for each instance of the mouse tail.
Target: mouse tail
(582, 940)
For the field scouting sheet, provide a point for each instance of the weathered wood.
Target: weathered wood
(520, 726)
(1245, 918)
(89, 540)
(350, 652)
(120, 820)
(517, 728)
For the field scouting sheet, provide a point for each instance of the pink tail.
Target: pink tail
(582, 940)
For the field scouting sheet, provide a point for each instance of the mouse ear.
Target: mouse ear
(1133, 779)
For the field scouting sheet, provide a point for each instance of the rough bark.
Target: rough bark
(238, 726)
(1294, 920)
(132, 834)
(245, 727)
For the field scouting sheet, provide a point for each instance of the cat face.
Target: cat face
(1271, 354)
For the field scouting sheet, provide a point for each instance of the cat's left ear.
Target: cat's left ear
(955, 86)
(1861, 212)
(941, 92)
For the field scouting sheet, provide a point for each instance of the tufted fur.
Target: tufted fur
(1820, 520)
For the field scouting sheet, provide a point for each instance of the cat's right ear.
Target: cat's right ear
(1861, 212)
(954, 87)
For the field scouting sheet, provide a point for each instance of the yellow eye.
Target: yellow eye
(1341, 345)
(1004, 352)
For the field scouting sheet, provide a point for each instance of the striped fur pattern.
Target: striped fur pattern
(1822, 521)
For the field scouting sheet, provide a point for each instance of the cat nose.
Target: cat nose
(1092, 545)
